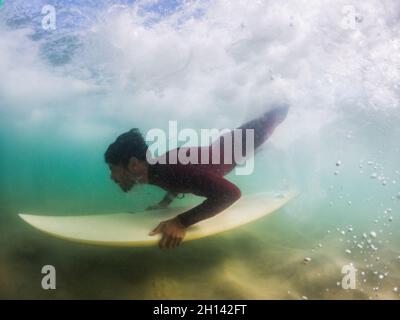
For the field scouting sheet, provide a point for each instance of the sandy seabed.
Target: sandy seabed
(263, 260)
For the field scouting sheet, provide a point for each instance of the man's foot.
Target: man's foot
(278, 114)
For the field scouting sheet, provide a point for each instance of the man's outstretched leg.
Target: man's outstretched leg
(263, 127)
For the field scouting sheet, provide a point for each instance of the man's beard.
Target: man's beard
(127, 188)
(133, 183)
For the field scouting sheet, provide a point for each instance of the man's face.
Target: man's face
(128, 176)
(122, 176)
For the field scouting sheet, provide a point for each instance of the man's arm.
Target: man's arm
(219, 194)
(165, 202)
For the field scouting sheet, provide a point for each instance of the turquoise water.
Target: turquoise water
(66, 94)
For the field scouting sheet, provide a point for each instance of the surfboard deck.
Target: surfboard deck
(131, 230)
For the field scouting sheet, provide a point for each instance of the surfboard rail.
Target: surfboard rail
(131, 230)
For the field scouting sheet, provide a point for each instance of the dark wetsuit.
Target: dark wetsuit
(207, 180)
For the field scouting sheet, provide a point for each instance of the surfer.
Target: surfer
(126, 158)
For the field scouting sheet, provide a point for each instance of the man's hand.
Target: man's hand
(157, 206)
(164, 203)
(172, 232)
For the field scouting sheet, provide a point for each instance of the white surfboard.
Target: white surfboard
(131, 230)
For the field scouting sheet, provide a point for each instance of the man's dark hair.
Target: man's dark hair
(127, 145)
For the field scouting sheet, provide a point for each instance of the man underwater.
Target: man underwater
(126, 158)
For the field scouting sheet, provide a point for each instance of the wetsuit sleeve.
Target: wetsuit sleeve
(219, 194)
